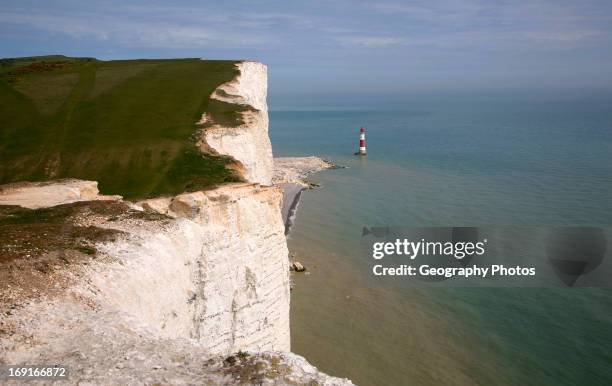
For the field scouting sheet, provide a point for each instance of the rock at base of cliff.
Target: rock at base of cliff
(297, 266)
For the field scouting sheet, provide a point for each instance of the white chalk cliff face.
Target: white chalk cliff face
(172, 301)
(248, 143)
(170, 298)
(219, 274)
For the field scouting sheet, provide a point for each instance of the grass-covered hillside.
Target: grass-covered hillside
(128, 124)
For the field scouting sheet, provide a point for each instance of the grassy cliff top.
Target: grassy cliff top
(128, 124)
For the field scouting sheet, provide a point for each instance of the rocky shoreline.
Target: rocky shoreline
(295, 170)
(290, 174)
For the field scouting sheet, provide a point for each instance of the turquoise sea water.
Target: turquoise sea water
(448, 162)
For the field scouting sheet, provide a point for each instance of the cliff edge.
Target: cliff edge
(248, 142)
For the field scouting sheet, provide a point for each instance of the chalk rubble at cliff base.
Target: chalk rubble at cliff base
(295, 170)
(100, 346)
(290, 174)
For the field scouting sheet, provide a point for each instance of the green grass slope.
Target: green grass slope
(127, 124)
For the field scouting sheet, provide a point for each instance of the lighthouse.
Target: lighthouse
(362, 146)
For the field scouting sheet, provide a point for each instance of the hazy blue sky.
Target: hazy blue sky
(338, 46)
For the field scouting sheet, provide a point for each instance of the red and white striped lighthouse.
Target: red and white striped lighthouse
(362, 146)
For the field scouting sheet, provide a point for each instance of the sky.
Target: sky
(339, 46)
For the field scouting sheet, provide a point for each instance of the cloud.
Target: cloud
(127, 29)
(441, 39)
(446, 24)
(494, 25)
(370, 41)
(433, 12)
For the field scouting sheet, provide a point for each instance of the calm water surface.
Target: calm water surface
(448, 163)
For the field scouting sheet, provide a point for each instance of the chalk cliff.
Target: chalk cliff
(248, 142)
(220, 270)
(176, 287)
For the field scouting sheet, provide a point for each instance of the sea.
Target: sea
(452, 159)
